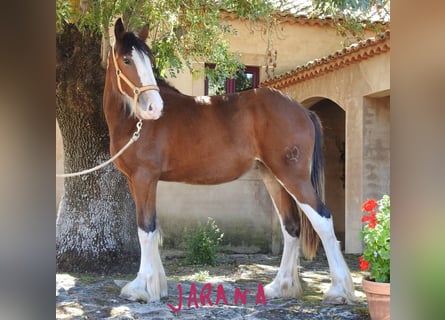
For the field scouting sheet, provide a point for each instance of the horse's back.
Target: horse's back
(278, 119)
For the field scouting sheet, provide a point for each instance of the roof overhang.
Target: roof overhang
(339, 59)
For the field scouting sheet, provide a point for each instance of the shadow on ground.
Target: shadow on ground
(91, 296)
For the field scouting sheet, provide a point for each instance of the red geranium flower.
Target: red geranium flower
(376, 237)
(366, 218)
(364, 265)
(372, 223)
(369, 205)
(372, 218)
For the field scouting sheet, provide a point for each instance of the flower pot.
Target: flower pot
(378, 296)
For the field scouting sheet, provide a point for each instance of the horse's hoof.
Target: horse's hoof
(271, 292)
(126, 296)
(338, 299)
(133, 291)
(134, 297)
(287, 289)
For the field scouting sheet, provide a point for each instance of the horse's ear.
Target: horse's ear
(143, 34)
(119, 30)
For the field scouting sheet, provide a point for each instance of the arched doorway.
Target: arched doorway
(333, 117)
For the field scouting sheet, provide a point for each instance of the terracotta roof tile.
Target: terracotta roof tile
(339, 59)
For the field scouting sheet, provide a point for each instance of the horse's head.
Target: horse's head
(132, 60)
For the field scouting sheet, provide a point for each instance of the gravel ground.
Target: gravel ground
(92, 296)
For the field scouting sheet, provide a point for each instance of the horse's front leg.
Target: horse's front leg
(150, 283)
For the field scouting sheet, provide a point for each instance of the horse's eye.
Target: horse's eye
(127, 61)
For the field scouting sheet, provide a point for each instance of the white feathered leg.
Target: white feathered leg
(286, 282)
(342, 288)
(150, 283)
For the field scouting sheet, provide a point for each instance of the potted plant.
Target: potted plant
(376, 258)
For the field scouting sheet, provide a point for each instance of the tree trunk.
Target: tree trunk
(96, 225)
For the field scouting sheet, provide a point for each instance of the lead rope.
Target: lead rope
(133, 139)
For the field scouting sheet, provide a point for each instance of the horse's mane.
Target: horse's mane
(130, 40)
(164, 84)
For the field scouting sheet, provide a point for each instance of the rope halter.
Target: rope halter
(136, 90)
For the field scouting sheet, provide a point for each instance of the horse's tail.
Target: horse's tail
(317, 169)
(309, 238)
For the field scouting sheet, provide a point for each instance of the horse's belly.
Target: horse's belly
(206, 170)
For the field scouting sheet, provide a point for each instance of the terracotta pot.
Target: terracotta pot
(378, 296)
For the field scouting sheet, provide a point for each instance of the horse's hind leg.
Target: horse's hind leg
(150, 283)
(286, 282)
(342, 289)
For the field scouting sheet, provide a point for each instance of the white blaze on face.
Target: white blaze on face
(150, 103)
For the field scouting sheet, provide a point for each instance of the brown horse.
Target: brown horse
(211, 140)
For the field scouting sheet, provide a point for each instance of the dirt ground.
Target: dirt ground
(91, 296)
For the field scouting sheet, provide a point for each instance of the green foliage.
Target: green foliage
(63, 13)
(251, 9)
(352, 17)
(184, 32)
(202, 243)
(377, 238)
(181, 32)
